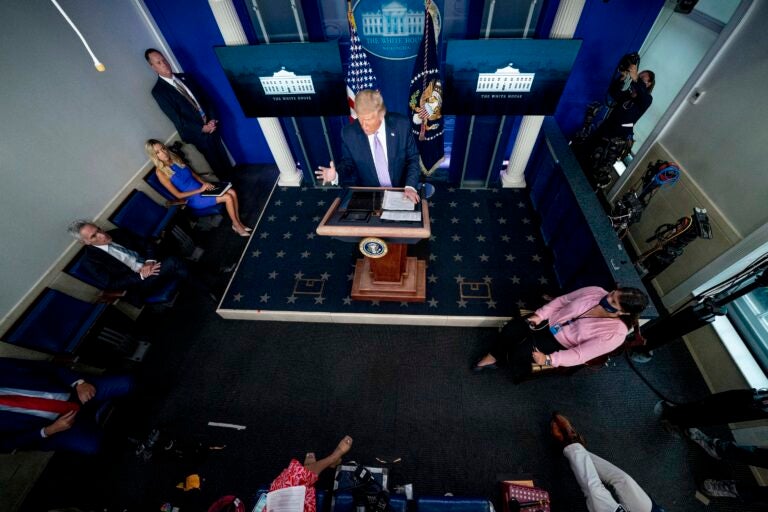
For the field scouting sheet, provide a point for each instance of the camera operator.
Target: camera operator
(630, 96)
(631, 93)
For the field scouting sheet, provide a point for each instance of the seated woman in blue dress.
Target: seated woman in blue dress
(185, 184)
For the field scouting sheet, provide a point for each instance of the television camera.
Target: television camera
(629, 208)
(671, 240)
(628, 60)
(598, 154)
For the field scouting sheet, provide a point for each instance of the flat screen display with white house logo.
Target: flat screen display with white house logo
(507, 76)
(286, 79)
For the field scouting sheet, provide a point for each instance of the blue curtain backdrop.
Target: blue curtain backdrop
(608, 30)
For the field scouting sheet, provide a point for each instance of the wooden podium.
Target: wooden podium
(389, 273)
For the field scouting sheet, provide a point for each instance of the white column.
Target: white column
(232, 31)
(273, 132)
(521, 152)
(563, 27)
(566, 19)
(229, 24)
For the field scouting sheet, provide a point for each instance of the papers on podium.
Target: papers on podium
(289, 499)
(401, 216)
(396, 200)
(399, 208)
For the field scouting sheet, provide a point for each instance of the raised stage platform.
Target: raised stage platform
(485, 261)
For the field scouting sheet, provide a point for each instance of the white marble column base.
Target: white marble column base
(288, 179)
(508, 181)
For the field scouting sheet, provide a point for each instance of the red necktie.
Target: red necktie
(39, 404)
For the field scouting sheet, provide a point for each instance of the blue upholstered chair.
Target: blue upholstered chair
(166, 295)
(158, 187)
(452, 504)
(398, 503)
(143, 217)
(55, 323)
(321, 500)
(344, 502)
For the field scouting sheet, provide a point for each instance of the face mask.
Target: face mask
(606, 306)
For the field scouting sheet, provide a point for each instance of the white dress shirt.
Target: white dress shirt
(126, 256)
(173, 81)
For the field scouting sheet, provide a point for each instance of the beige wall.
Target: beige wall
(667, 207)
(719, 144)
(71, 138)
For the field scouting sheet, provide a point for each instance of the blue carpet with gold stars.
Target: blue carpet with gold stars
(485, 258)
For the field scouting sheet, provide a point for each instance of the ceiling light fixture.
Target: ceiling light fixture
(99, 66)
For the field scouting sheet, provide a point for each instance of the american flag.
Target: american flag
(359, 72)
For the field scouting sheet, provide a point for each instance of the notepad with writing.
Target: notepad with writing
(288, 499)
(218, 189)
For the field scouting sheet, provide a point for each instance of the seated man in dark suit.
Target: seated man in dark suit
(125, 262)
(377, 149)
(190, 112)
(47, 407)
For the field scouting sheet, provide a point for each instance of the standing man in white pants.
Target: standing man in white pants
(594, 473)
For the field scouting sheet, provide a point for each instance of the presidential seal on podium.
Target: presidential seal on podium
(373, 247)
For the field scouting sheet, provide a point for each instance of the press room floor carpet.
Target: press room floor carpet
(399, 391)
(485, 259)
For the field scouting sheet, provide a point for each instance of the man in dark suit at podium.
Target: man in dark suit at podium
(192, 115)
(377, 149)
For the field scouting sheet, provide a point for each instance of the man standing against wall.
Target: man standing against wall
(191, 114)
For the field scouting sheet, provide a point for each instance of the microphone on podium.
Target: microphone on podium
(426, 190)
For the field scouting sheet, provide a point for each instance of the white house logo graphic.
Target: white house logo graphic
(392, 29)
(507, 79)
(393, 20)
(287, 82)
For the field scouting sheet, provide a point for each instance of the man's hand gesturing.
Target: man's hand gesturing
(327, 174)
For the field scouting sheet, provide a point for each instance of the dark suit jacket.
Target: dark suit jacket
(627, 109)
(356, 167)
(185, 118)
(111, 273)
(20, 430)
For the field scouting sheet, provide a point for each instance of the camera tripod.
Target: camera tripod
(671, 241)
(703, 310)
(628, 210)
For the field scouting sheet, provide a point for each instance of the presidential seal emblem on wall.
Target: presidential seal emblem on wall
(426, 106)
(373, 247)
